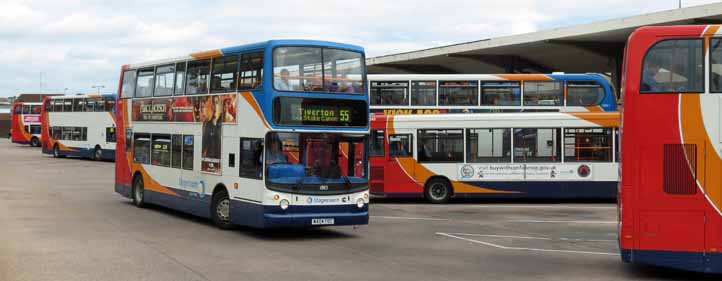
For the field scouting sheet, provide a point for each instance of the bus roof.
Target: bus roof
(83, 96)
(492, 77)
(270, 44)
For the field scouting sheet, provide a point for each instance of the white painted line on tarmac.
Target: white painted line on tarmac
(562, 221)
(533, 238)
(524, 249)
(410, 218)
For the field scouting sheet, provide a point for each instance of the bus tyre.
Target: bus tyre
(34, 142)
(221, 210)
(56, 151)
(97, 153)
(138, 192)
(437, 191)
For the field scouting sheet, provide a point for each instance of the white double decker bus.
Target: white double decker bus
(79, 126)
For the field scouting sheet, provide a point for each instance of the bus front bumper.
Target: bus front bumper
(264, 216)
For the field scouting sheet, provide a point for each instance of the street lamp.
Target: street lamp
(99, 88)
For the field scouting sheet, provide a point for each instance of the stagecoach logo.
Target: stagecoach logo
(467, 171)
(584, 171)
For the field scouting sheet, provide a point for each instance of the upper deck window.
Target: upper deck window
(423, 93)
(250, 71)
(584, 93)
(197, 77)
(501, 93)
(674, 66)
(224, 74)
(389, 93)
(314, 69)
(458, 93)
(128, 88)
(543, 93)
(144, 86)
(164, 76)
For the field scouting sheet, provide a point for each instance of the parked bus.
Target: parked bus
(79, 126)
(671, 189)
(509, 155)
(25, 123)
(483, 93)
(272, 134)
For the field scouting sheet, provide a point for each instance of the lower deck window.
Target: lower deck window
(141, 148)
(588, 145)
(536, 145)
(441, 145)
(488, 145)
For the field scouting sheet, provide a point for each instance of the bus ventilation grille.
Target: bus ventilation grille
(680, 166)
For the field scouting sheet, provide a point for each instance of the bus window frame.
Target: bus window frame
(709, 65)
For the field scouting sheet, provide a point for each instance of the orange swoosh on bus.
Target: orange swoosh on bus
(207, 54)
(694, 132)
(525, 77)
(151, 184)
(421, 174)
(604, 119)
(248, 96)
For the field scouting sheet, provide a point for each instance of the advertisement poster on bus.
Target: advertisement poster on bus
(485, 172)
(212, 116)
(182, 109)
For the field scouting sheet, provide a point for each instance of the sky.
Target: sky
(69, 46)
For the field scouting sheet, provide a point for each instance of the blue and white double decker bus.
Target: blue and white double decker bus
(272, 134)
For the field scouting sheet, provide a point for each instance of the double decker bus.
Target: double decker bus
(79, 126)
(25, 123)
(670, 193)
(483, 93)
(272, 134)
(494, 155)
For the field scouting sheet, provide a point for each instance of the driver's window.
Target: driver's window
(674, 66)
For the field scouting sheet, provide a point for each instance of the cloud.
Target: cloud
(79, 43)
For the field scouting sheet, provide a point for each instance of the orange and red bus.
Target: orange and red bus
(25, 123)
(670, 191)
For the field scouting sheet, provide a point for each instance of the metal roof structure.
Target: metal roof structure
(593, 47)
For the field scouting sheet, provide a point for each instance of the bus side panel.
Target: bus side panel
(122, 156)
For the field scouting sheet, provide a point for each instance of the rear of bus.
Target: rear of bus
(25, 124)
(670, 191)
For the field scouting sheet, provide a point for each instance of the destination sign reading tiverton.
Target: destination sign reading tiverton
(322, 114)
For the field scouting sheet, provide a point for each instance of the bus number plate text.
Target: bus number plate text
(328, 221)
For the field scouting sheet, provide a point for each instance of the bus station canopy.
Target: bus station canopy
(594, 47)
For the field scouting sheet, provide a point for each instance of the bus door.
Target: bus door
(401, 165)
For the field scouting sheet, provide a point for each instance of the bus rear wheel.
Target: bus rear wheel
(138, 192)
(438, 191)
(221, 210)
(34, 142)
(56, 151)
(97, 153)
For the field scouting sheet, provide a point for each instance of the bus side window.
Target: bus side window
(141, 148)
(128, 139)
(400, 146)
(377, 143)
(251, 158)
(715, 67)
(188, 150)
(110, 134)
(674, 66)
(251, 71)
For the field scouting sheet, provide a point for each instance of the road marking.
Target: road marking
(572, 222)
(524, 249)
(534, 238)
(410, 218)
(520, 206)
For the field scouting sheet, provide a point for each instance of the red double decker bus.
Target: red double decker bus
(25, 123)
(670, 191)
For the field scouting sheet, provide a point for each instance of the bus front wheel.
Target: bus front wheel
(34, 142)
(438, 191)
(56, 151)
(221, 210)
(138, 192)
(97, 153)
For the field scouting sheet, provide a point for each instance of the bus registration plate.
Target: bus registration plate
(328, 221)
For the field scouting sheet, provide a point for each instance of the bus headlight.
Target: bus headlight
(284, 204)
(360, 203)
